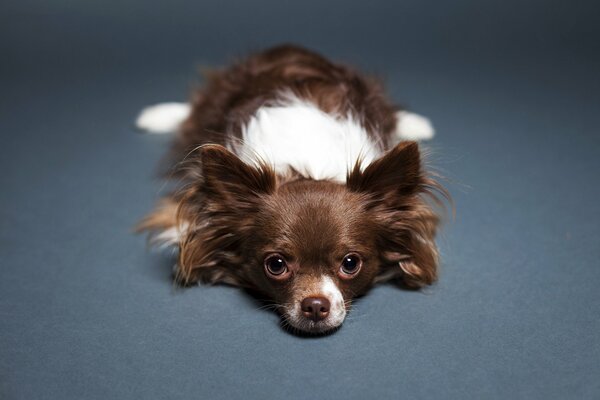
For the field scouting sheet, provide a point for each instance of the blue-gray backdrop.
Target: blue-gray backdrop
(86, 312)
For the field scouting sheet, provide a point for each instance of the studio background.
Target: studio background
(86, 311)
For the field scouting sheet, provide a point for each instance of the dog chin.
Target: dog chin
(298, 322)
(310, 327)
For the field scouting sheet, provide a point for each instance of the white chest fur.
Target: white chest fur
(296, 134)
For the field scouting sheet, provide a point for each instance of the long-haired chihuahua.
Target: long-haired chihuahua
(300, 180)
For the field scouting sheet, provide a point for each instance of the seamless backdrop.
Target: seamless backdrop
(87, 312)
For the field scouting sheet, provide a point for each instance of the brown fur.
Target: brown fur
(232, 95)
(164, 217)
(236, 213)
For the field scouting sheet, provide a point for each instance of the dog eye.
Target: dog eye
(275, 265)
(351, 264)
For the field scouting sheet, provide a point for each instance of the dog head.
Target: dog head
(309, 245)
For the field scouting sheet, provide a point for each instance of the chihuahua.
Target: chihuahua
(300, 180)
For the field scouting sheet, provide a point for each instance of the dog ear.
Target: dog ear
(407, 239)
(394, 184)
(226, 177)
(219, 210)
(396, 174)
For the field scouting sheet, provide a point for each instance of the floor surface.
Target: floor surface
(88, 312)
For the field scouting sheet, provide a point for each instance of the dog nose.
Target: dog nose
(315, 308)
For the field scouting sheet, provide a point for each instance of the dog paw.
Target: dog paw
(163, 117)
(411, 126)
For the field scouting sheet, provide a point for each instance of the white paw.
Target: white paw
(411, 126)
(163, 117)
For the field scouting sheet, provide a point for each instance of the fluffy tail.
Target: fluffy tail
(163, 118)
(411, 126)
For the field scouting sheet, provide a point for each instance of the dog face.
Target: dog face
(309, 245)
(313, 250)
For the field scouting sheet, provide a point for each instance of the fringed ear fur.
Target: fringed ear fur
(163, 224)
(219, 209)
(207, 221)
(397, 186)
(395, 174)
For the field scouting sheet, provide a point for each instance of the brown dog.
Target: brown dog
(297, 182)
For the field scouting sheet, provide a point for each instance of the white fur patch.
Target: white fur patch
(411, 126)
(337, 311)
(163, 117)
(297, 134)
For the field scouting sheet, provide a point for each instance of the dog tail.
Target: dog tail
(412, 126)
(163, 118)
